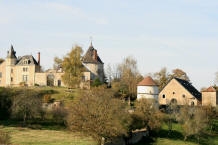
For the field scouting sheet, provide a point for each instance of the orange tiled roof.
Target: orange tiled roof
(210, 89)
(148, 81)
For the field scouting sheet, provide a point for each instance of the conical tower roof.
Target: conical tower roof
(147, 81)
(11, 53)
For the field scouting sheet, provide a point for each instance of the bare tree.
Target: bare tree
(129, 75)
(57, 63)
(162, 77)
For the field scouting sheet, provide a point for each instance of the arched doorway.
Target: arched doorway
(173, 101)
(50, 80)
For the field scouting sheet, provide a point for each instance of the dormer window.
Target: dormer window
(26, 61)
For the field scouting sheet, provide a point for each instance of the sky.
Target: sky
(159, 33)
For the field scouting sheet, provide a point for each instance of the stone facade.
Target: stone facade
(210, 97)
(180, 92)
(26, 71)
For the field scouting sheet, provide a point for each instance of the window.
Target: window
(0, 74)
(11, 79)
(164, 96)
(25, 69)
(26, 61)
(183, 96)
(192, 103)
(25, 78)
(174, 93)
(12, 70)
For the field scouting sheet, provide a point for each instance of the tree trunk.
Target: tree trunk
(185, 138)
(102, 141)
(129, 101)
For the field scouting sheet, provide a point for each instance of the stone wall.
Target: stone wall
(174, 90)
(209, 98)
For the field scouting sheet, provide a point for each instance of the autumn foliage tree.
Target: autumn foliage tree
(193, 120)
(26, 104)
(97, 114)
(129, 76)
(147, 115)
(72, 67)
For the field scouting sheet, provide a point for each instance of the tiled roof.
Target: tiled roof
(30, 58)
(189, 87)
(210, 89)
(147, 81)
(88, 57)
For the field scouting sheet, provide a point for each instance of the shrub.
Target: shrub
(96, 82)
(59, 114)
(5, 102)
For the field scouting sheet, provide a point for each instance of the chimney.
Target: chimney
(95, 54)
(39, 58)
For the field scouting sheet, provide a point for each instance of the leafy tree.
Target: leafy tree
(147, 115)
(73, 67)
(193, 121)
(57, 63)
(27, 104)
(97, 114)
(180, 74)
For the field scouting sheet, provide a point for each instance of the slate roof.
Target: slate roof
(189, 87)
(88, 57)
(31, 61)
(147, 81)
(11, 53)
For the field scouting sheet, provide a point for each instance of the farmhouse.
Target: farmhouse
(26, 70)
(181, 92)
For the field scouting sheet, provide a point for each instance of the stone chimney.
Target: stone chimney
(39, 58)
(95, 55)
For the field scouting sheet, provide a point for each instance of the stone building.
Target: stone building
(93, 64)
(148, 89)
(181, 92)
(210, 97)
(25, 70)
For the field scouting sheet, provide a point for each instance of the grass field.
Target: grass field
(26, 136)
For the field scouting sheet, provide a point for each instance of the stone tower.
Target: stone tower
(11, 61)
(147, 89)
(93, 63)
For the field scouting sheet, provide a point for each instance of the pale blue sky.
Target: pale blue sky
(158, 33)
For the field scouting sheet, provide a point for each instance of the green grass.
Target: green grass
(26, 136)
(176, 138)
